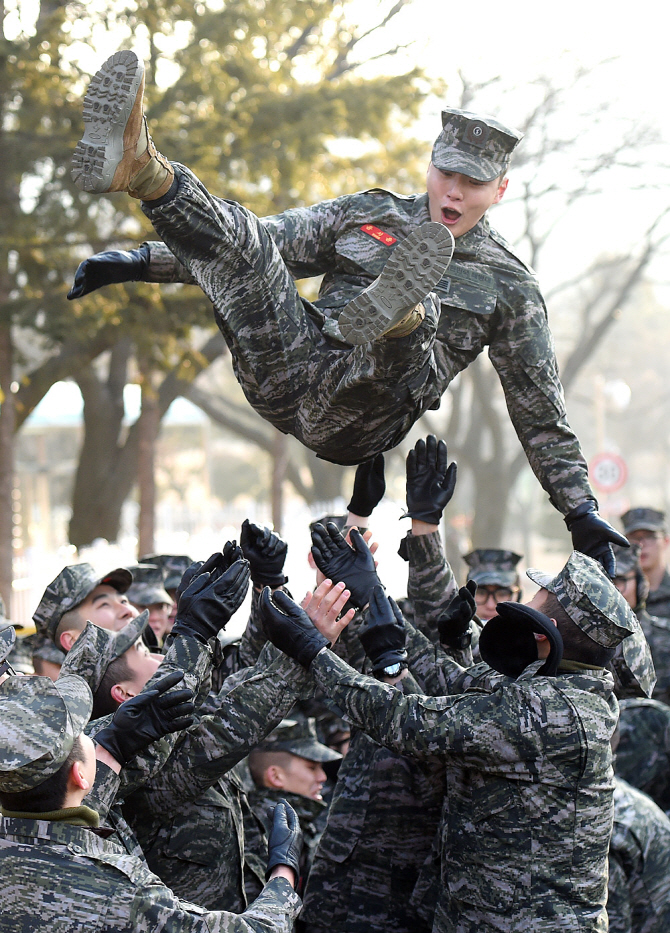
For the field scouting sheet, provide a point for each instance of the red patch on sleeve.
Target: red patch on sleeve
(378, 234)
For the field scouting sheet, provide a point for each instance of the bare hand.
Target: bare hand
(323, 607)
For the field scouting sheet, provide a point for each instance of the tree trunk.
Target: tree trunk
(7, 419)
(279, 463)
(148, 427)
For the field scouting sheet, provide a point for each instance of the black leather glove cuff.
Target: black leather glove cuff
(579, 511)
(142, 257)
(430, 517)
(273, 580)
(108, 738)
(388, 659)
(182, 628)
(454, 635)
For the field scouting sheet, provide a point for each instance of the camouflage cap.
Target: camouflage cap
(474, 145)
(40, 721)
(627, 559)
(42, 647)
(298, 736)
(70, 588)
(172, 565)
(643, 519)
(96, 648)
(633, 667)
(590, 599)
(493, 565)
(148, 587)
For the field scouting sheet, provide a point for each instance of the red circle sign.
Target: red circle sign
(608, 472)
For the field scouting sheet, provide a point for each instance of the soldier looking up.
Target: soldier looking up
(349, 374)
(648, 528)
(494, 571)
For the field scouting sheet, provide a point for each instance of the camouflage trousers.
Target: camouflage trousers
(345, 403)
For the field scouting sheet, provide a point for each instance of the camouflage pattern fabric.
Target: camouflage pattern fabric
(632, 665)
(7, 641)
(348, 404)
(658, 600)
(311, 813)
(639, 879)
(534, 746)
(172, 565)
(148, 586)
(657, 631)
(643, 755)
(96, 648)
(382, 821)
(644, 518)
(68, 589)
(493, 565)
(61, 878)
(474, 145)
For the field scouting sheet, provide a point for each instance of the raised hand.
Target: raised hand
(266, 552)
(109, 268)
(352, 564)
(431, 480)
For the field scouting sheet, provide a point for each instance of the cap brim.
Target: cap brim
(120, 579)
(78, 699)
(644, 526)
(494, 577)
(128, 635)
(543, 580)
(453, 160)
(149, 597)
(7, 640)
(312, 751)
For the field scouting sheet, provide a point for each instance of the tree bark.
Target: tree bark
(279, 462)
(7, 419)
(148, 427)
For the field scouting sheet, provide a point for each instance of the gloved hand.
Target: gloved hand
(593, 536)
(354, 566)
(454, 624)
(109, 268)
(148, 717)
(289, 627)
(285, 842)
(209, 601)
(430, 480)
(216, 564)
(266, 553)
(383, 632)
(369, 486)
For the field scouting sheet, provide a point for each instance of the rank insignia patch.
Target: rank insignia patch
(378, 234)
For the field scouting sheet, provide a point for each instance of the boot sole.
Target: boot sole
(415, 267)
(107, 106)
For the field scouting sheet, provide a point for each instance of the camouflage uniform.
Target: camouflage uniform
(643, 518)
(59, 871)
(657, 631)
(639, 877)
(386, 806)
(528, 809)
(643, 754)
(348, 404)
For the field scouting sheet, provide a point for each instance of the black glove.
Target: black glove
(266, 553)
(454, 624)
(369, 486)
(209, 601)
(285, 842)
(430, 481)
(148, 717)
(383, 633)
(215, 565)
(289, 627)
(593, 536)
(354, 566)
(109, 268)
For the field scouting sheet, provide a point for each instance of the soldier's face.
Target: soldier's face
(458, 201)
(653, 548)
(159, 619)
(108, 608)
(304, 777)
(143, 665)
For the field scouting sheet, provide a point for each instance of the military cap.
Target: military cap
(298, 736)
(643, 519)
(40, 721)
(590, 599)
(96, 648)
(148, 586)
(42, 647)
(627, 558)
(172, 565)
(474, 145)
(70, 588)
(633, 667)
(492, 565)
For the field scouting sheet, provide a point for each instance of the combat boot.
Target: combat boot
(391, 306)
(116, 152)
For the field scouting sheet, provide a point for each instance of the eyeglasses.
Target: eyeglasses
(500, 594)
(638, 537)
(621, 582)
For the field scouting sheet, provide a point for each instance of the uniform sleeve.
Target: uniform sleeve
(164, 267)
(253, 637)
(522, 351)
(260, 698)
(441, 672)
(431, 584)
(618, 897)
(155, 907)
(498, 732)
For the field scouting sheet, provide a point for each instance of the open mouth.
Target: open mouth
(450, 216)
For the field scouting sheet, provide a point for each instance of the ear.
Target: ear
(119, 694)
(77, 776)
(68, 638)
(502, 188)
(274, 777)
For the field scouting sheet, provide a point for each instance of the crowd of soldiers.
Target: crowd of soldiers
(449, 764)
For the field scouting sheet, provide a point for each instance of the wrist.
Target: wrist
(420, 528)
(106, 758)
(283, 871)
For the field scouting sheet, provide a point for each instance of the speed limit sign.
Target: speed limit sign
(608, 472)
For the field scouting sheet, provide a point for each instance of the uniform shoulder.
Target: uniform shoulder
(380, 193)
(514, 261)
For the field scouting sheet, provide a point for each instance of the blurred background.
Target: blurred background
(122, 429)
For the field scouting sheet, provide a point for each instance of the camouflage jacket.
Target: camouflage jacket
(643, 754)
(658, 601)
(639, 879)
(383, 818)
(528, 807)
(488, 297)
(657, 631)
(60, 878)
